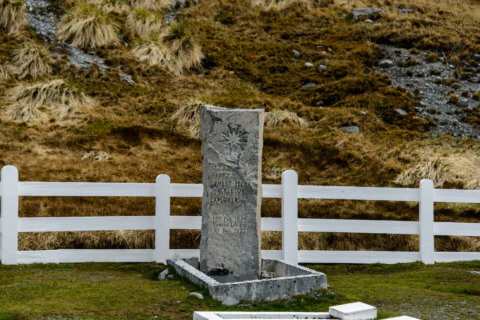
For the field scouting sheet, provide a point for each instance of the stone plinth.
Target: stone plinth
(232, 154)
(291, 280)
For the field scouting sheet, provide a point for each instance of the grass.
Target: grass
(52, 99)
(128, 291)
(184, 51)
(280, 4)
(12, 17)
(144, 22)
(277, 118)
(87, 26)
(156, 5)
(31, 60)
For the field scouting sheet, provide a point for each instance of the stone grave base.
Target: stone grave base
(282, 281)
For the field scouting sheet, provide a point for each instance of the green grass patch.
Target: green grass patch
(130, 291)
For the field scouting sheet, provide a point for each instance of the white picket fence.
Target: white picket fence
(289, 191)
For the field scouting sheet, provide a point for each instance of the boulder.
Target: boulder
(366, 13)
(350, 129)
(309, 85)
(386, 63)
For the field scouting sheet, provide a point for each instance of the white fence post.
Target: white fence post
(426, 219)
(9, 214)
(290, 216)
(162, 218)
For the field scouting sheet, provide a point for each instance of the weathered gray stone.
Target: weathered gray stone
(163, 275)
(401, 112)
(296, 54)
(366, 13)
(196, 295)
(292, 280)
(232, 141)
(386, 63)
(350, 129)
(309, 85)
(405, 11)
(308, 64)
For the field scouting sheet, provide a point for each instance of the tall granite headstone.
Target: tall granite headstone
(232, 141)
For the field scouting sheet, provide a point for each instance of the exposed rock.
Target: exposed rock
(368, 21)
(321, 68)
(170, 277)
(308, 64)
(435, 92)
(463, 103)
(401, 112)
(475, 272)
(309, 85)
(197, 295)
(296, 54)
(366, 13)
(163, 275)
(350, 129)
(386, 63)
(476, 56)
(405, 11)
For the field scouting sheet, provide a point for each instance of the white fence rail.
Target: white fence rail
(162, 222)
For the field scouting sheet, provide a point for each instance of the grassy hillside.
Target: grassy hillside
(134, 113)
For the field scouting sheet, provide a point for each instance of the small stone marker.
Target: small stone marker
(163, 275)
(232, 141)
(354, 311)
(403, 318)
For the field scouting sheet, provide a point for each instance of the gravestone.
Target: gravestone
(232, 141)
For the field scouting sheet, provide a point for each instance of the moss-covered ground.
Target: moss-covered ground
(129, 291)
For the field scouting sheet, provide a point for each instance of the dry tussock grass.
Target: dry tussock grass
(144, 22)
(156, 5)
(445, 165)
(31, 60)
(151, 53)
(276, 118)
(87, 26)
(87, 240)
(280, 4)
(175, 50)
(112, 6)
(435, 170)
(184, 51)
(43, 101)
(187, 118)
(5, 72)
(12, 16)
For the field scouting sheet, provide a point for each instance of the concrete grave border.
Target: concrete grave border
(293, 280)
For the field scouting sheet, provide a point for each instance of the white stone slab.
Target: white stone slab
(260, 315)
(403, 318)
(354, 311)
